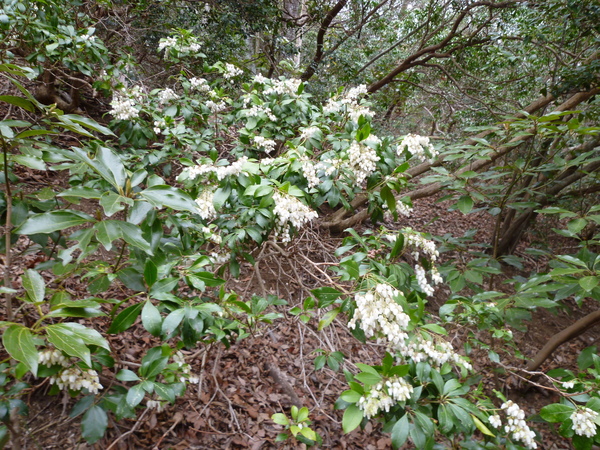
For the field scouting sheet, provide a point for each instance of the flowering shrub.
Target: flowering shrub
(257, 160)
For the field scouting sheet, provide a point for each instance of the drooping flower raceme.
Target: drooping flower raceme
(166, 95)
(584, 421)
(418, 146)
(76, 379)
(221, 172)
(268, 145)
(380, 315)
(287, 86)
(123, 108)
(361, 160)
(206, 208)
(383, 395)
(290, 211)
(52, 356)
(516, 424)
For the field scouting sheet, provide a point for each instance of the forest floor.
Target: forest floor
(240, 387)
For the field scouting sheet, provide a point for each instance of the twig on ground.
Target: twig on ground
(133, 430)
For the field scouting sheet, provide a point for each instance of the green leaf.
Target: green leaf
(49, 222)
(465, 204)
(112, 203)
(18, 101)
(19, 343)
(556, 412)
(165, 392)
(328, 318)
(368, 378)
(32, 162)
(127, 375)
(481, 426)
(93, 424)
(400, 432)
(125, 319)
(280, 419)
(350, 396)
(326, 295)
(108, 231)
(34, 285)
(151, 319)
(308, 433)
(172, 321)
(69, 342)
(135, 395)
(150, 273)
(588, 283)
(162, 195)
(352, 418)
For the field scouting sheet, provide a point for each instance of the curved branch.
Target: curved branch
(311, 69)
(571, 332)
(432, 51)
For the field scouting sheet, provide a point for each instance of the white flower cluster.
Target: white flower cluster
(309, 170)
(257, 110)
(435, 351)
(221, 172)
(419, 243)
(179, 359)
(212, 236)
(206, 208)
(349, 103)
(290, 210)
(166, 95)
(172, 42)
(401, 208)
(159, 125)
(53, 356)
(584, 421)
(258, 78)
(309, 132)
(200, 84)
(219, 258)
(168, 42)
(268, 145)
(123, 108)
(418, 146)
(361, 161)
(287, 86)
(516, 424)
(380, 315)
(495, 421)
(216, 107)
(231, 71)
(75, 379)
(383, 395)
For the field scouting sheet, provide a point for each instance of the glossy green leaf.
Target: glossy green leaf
(126, 318)
(151, 319)
(93, 424)
(127, 375)
(556, 412)
(53, 221)
(70, 343)
(34, 285)
(135, 395)
(352, 418)
(19, 343)
(170, 197)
